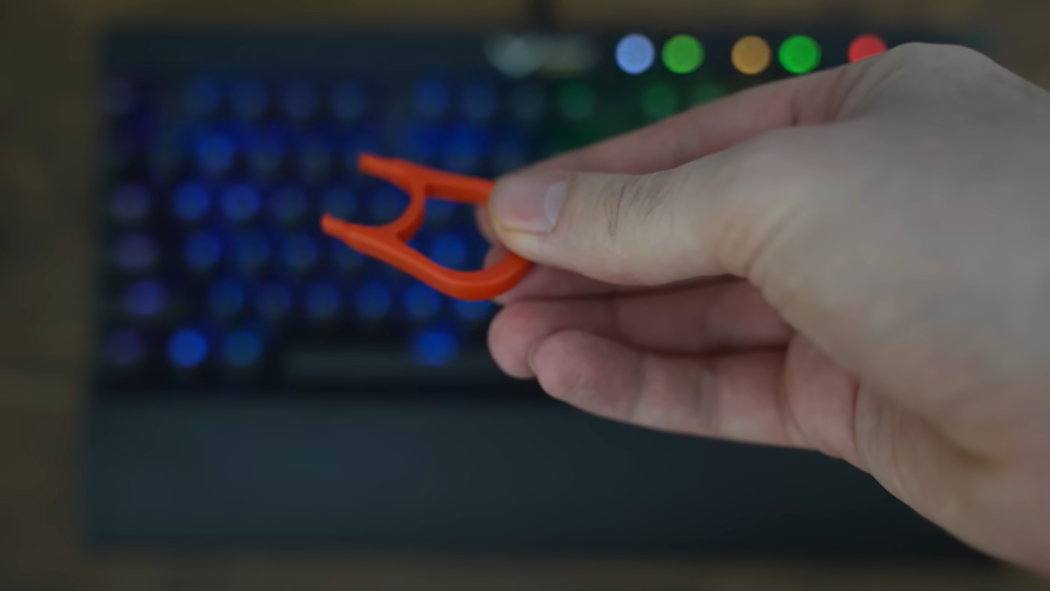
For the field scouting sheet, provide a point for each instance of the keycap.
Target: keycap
(240, 202)
(187, 349)
(191, 202)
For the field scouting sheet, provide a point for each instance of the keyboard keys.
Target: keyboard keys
(266, 156)
(124, 348)
(145, 298)
(435, 348)
(242, 349)
(129, 203)
(134, 253)
(240, 202)
(214, 154)
(202, 251)
(191, 202)
(226, 299)
(187, 349)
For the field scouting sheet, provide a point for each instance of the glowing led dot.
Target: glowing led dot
(187, 349)
(683, 54)
(751, 55)
(635, 54)
(799, 54)
(242, 348)
(866, 46)
(435, 348)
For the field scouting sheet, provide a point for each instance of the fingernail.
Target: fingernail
(529, 203)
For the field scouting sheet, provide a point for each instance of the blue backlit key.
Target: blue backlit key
(191, 202)
(242, 348)
(214, 153)
(240, 202)
(431, 99)
(373, 301)
(202, 251)
(435, 348)
(145, 298)
(422, 302)
(322, 301)
(227, 298)
(187, 349)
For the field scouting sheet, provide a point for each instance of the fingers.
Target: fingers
(695, 320)
(735, 397)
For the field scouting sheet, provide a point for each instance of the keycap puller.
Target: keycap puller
(389, 243)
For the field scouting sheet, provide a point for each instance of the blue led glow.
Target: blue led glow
(349, 101)
(202, 98)
(242, 348)
(422, 302)
(448, 250)
(300, 252)
(135, 252)
(251, 251)
(345, 258)
(288, 205)
(464, 150)
(373, 301)
(214, 153)
(635, 54)
(145, 298)
(202, 251)
(435, 348)
(240, 202)
(479, 101)
(388, 203)
(323, 300)
(124, 348)
(191, 202)
(340, 202)
(473, 311)
(274, 301)
(187, 349)
(420, 141)
(431, 99)
(129, 203)
(299, 100)
(226, 298)
(249, 99)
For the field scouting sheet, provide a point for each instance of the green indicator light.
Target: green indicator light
(799, 54)
(576, 102)
(659, 101)
(683, 54)
(706, 93)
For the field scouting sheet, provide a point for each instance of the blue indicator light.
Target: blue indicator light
(202, 251)
(449, 251)
(202, 98)
(191, 202)
(345, 258)
(422, 302)
(251, 251)
(431, 99)
(635, 54)
(249, 99)
(349, 101)
(274, 301)
(479, 101)
(322, 301)
(129, 203)
(135, 252)
(300, 100)
(145, 298)
(373, 301)
(435, 348)
(464, 151)
(473, 311)
(214, 153)
(288, 205)
(187, 349)
(242, 348)
(240, 202)
(226, 298)
(300, 252)
(388, 204)
(124, 348)
(340, 202)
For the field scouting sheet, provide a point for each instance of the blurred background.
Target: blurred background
(199, 391)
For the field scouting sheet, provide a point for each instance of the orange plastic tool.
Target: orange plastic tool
(389, 243)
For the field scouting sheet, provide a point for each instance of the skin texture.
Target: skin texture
(855, 262)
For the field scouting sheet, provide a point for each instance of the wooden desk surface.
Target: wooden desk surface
(47, 129)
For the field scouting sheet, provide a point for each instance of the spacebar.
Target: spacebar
(348, 365)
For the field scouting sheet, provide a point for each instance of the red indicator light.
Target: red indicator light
(866, 46)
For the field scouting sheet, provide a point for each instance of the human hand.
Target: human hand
(855, 262)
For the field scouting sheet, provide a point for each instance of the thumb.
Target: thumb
(707, 217)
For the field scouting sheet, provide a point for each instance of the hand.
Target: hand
(855, 262)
